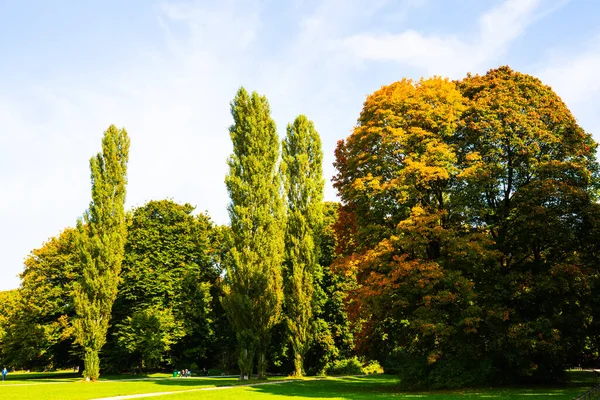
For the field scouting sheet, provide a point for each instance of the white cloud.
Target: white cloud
(451, 55)
(172, 97)
(574, 77)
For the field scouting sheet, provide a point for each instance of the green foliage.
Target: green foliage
(253, 283)
(372, 367)
(9, 301)
(333, 337)
(150, 333)
(345, 366)
(100, 244)
(39, 333)
(303, 186)
(170, 264)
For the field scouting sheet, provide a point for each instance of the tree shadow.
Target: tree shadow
(352, 388)
(198, 381)
(386, 386)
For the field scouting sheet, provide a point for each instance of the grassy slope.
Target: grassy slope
(357, 388)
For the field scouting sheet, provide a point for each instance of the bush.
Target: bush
(372, 367)
(347, 366)
(353, 366)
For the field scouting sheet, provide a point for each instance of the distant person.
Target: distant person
(204, 371)
(4, 373)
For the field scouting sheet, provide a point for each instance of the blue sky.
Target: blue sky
(167, 71)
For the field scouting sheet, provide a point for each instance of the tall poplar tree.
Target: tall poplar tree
(303, 181)
(253, 284)
(100, 245)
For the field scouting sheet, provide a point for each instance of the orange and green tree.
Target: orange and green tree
(531, 176)
(462, 204)
(39, 332)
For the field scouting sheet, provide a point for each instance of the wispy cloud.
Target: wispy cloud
(452, 55)
(574, 76)
(172, 93)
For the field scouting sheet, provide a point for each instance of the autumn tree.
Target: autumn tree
(102, 234)
(41, 326)
(461, 208)
(253, 283)
(9, 301)
(530, 175)
(303, 182)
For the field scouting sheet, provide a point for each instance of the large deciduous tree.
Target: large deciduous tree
(41, 331)
(101, 245)
(303, 182)
(253, 283)
(462, 208)
(530, 175)
(168, 287)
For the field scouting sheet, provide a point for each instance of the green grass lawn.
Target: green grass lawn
(69, 387)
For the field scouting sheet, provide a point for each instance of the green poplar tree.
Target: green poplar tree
(253, 291)
(303, 181)
(100, 245)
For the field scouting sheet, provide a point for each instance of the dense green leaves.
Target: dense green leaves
(149, 333)
(100, 243)
(170, 270)
(39, 332)
(253, 283)
(303, 186)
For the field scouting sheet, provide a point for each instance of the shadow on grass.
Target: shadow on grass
(354, 388)
(386, 386)
(200, 382)
(24, 376)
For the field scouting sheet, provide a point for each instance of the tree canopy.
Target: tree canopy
(464, 250)
(463, 205)
(303, 185)
(253, 292)
(100, 244)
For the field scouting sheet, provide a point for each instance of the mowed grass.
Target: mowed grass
(72, 388)
(353, 388)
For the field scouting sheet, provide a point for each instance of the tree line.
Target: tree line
(464, 250)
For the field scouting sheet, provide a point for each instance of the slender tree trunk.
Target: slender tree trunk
(246, 361)
(298, 365)
(262, 363)
(92, 364)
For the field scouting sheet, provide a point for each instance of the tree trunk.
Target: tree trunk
(298, 364)
(92, 365)
(262, 364)
(245, 361)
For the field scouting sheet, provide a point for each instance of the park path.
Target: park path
(156, 394)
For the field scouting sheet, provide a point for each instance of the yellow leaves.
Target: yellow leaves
(433, 357)
(369, 182)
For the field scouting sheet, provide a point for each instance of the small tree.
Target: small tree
(149, 335)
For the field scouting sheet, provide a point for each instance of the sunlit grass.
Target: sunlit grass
(55, 386)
